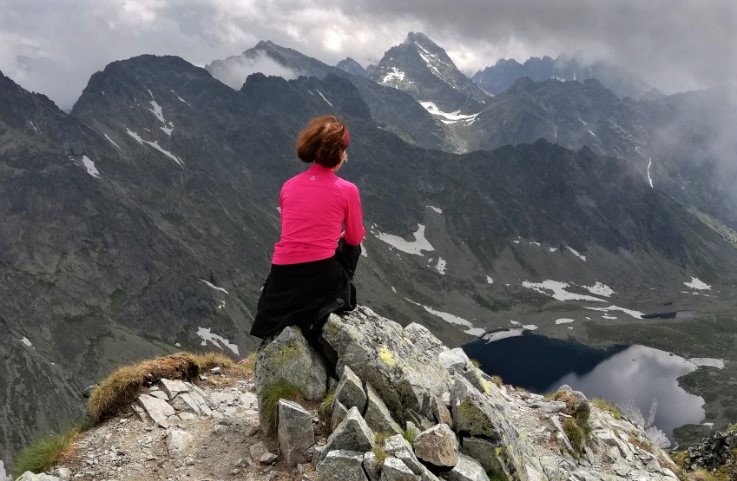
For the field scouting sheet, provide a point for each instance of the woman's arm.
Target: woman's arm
(353, 220)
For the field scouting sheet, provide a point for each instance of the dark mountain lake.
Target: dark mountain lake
(627, 376)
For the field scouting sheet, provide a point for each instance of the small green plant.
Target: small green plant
(410, 435)
(576, 436)
(732, 427)
(272, 394)
(379, 450)
(46, 452)
(497, 380)
(605, 405)
(475, 363)
(326, 407)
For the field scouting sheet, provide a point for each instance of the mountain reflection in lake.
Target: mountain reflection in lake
(624, 375)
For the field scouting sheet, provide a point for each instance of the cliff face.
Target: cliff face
(404, 406)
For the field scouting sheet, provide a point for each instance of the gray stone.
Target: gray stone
(296, 432)
(561, 433)
(371, 467)
(257, 450)
(454, 358)
(290, 358)
(172, 387)
(400, 448)
(157, 409)
(353, 434)
(484, 452)
(377, 415)
(65, 474)
(437, 446)
(395, 470)
(268, 458)
(350, 390)
(400, 363)
(467, 469)
(337, 415)
(341, 465)
(177, 440)
(29, 476)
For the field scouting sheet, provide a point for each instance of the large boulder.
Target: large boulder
(395, 470)
(290, 358)
(400, 363)
(350, 391)
(377, 415)
(467, 469)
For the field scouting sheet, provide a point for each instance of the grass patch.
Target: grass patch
(576, 436)
(605, 405)
(497, 380)
(732, 427)
(410, 435)
(46, 452)
(475, 363)
(246, 366)
(272, 394)
(326, 406)
(122, 387)
(379, 450)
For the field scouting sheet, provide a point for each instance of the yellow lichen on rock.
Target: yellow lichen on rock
(386, 356)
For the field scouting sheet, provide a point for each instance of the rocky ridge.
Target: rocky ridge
(404, 407)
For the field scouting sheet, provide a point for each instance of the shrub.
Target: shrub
(122, 387)
(270, 396)
(46, 452)
(576, 435)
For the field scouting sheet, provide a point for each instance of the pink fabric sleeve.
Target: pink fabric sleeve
(353, 221)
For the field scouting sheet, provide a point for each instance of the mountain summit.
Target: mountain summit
(423, 69)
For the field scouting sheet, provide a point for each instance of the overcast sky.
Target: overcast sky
(53, 46)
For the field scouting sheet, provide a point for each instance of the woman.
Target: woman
(321, 232)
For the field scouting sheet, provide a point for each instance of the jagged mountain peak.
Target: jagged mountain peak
(423, 69)
(352, 67)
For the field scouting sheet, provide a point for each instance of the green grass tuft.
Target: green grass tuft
(326, 407)
(409, 435)
(46, 452)
(576, 435)
(271, 395)
(605, 405)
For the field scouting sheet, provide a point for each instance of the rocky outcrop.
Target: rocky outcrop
(715, 452)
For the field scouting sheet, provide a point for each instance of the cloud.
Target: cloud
(673, 44)
(234, 70)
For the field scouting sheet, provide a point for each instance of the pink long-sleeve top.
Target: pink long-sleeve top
(316, 206)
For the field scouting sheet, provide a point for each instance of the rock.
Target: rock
(353, 434)
(467, 469)
(291, 359)
(400, 363)
(29, 476)
(296, 432)
(377, 415)
(350, 390)
(172, 387)
(341, 465)
(257, 450)
(268, 458)
(371, 467)
(395, 470)
(159, 410)
(484, 452)
(177, 440)
(400, 448)
(437, 446)
(337, 415)
(65, 474)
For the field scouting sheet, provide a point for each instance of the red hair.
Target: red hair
(323, 140)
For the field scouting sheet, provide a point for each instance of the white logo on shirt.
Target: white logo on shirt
(312, 177)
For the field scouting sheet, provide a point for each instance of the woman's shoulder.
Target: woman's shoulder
(345, 185)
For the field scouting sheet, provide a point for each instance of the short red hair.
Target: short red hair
(323, 140)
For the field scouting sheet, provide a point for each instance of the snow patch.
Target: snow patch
(409, 247)
(575, 253)
(489, 280)
(635, 314)
(440, 266)
(564, 321)
(90, 166)
(112, 142)
(451, 116)
(649, 178)
(697, 284)
(323, 97)
(213, 286)
(558, 291)
(220, 342)
(436, 209)
(599, 289)
(499, 335)
(708, 362)
(451, 319)
(26, 342)
(156, 146)
(607, 316)
(157, 111)
(395, 75)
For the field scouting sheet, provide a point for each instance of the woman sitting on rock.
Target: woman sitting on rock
(321, 232)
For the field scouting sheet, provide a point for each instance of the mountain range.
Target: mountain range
(142, 222)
